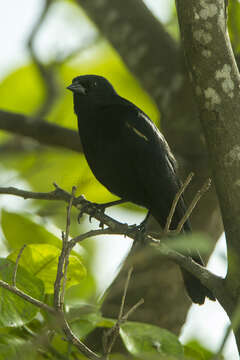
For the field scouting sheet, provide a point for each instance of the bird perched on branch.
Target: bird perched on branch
(130, 157)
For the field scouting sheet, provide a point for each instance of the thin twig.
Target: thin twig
(114, 331)
(62, 294)
(65, 243)
(16, 265)
(132, 309)
(75, 341)
(194, 202)
(30, 299)
(125, 292)
(62, 266)
(57, 284)
(176, 200)
(69, 208)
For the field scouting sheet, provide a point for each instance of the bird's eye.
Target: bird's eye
(95, 84)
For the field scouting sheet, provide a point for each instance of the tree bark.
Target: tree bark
(216, 83)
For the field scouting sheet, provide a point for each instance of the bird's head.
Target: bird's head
(91, 87)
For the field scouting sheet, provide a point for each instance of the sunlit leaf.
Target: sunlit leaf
(81, 293)
(63, 167)
(41, 260)
(234, 23)
(20, 230)
(192, 354)
(22, 90)
(14, 310)
(106, 322)
(144, 340)
(193, 346)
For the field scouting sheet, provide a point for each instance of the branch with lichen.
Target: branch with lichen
(216, 80)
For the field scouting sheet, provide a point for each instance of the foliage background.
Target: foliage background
(70, 47)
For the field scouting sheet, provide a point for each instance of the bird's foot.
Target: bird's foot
(91, 209)
(94, 207)
(139, 231)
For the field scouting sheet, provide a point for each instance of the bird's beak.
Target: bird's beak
(77, 88)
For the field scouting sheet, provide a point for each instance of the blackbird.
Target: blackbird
(130, 157)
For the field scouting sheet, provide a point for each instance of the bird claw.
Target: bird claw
(138, 230)
(93, 208)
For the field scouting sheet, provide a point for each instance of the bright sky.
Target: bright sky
(207, 322)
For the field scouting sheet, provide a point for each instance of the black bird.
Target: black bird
(130, 157)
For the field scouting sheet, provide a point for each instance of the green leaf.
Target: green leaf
(14, 310)
(234, 24)
(193, 347)
(41, 260)
(26, 87)
(192, 354)
(61, 345)
(20, 230)
(13, 348)
(63, 167)
(85, 292)
(149, 341)
(86, 323)
(191, 242)
(106, 322)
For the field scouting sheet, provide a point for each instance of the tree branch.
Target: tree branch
(207, 278)
(44, 132)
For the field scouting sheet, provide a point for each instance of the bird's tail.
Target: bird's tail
(195, 289)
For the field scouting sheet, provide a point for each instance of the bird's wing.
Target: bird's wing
(142, 163)
(153, 164)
